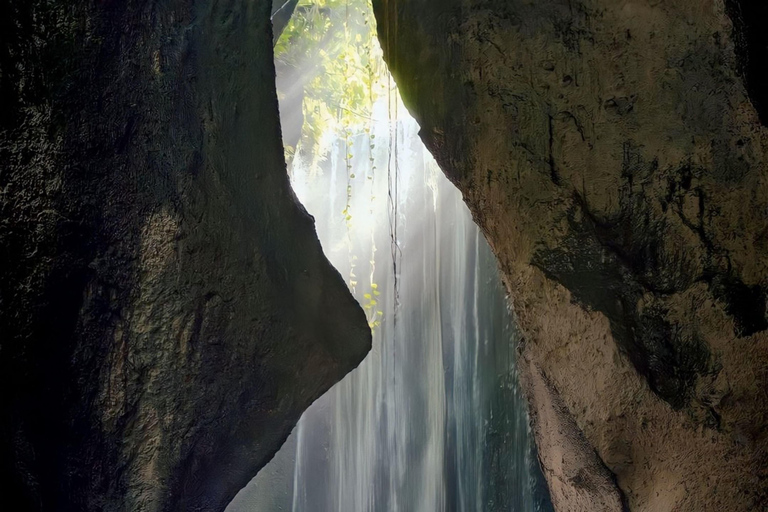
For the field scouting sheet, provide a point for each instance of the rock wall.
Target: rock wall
(614, 156)
(166, 312)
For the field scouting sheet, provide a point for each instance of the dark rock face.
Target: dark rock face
(614, 156)
(751, 42)
(166, 312)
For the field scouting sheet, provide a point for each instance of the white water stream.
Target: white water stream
(432, 419)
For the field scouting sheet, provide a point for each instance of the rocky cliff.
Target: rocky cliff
(166, 312)
(613, 154)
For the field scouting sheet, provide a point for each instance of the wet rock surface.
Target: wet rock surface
(613, 155)
(166, 312)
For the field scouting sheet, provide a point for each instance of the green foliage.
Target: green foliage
(333, 43)
(370, 304)
(334, 40)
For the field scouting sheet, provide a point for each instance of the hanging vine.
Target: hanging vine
(335, 42)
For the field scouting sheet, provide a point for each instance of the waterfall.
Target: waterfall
(432, 419)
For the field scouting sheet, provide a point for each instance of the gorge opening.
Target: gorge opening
(433, 418)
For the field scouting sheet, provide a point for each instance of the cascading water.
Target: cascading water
(432, 419)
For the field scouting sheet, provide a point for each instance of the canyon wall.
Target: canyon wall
(614, 156)
(166, 312)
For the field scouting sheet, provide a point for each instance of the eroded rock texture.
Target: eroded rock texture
(166, 312)
(614, 156)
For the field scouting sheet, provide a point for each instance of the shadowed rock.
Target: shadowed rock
(166, 312)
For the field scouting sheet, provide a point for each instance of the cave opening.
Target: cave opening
(167, 311)
(433, 418)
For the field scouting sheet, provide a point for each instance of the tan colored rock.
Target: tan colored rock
(613, 158)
